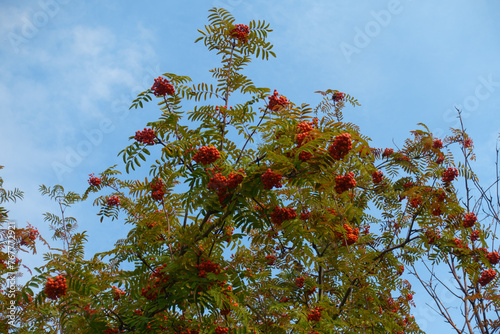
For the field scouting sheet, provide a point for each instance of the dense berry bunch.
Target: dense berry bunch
(234, 179)
(299, 282)
(315, 314)
(340, 146)
(276, 103)
(279, 215)
(474, 236)
(387, 152)
(377, 177)
(449, 175)
(350, 236)
(157, 192)
(344, 182)
(459, 243)
(207, 266)
(240, 32)
(147, 136)
(437, 144)
(440, 159)
(162, 87)
(55, 287)
(469, 220)
(206, 155)
(305, 215)
(416, 201)
(467, 143)
(117, 293)
(270, 259)
(436, 211)
(31, 236)
(271, 179)
(338, 96)
(487, 276)
(222, 185)
(113, 201)
(94, 181)
(440, 195)
(158, 278)
(493, 258)
(221, 330)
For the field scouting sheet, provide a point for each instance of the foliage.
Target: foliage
(319, 225)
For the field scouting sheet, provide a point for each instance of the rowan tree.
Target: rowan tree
(310, 233)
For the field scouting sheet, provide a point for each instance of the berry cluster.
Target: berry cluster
(338, 96)
(469, 220)
(113, 201)
(436, 211)
(240, 32)
(474, 236)
(206, 155)
(315, 314)
(117, 293)
(157, 192)
(437, 144)
(440, 159)
(94, 181)
(207, 266)
(221, 330)
(162, 87)
(377, 177)
(299, 282)
(350, 237)
(159, 277)
(387, 152)
(276, 103)
(493, 258)
(224, 186)
(487, 276)
(305, 215)
(88, 310)
(270, 259)
(31, 236)
(340, 146)
(468, 143)
(459, 244)
(56, 287)
(449, 175)
(279, 215)
(147, 136)
(271, 179)
(416, 201)
(344, 182)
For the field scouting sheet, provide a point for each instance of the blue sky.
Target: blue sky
(69, 70)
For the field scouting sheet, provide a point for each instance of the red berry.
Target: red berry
(113, 201)
(94, 181)
(240, 32)
(206, 155)
(271, 179)
(340, 146)
(493, 258)
(487, 276)
(147, 136)
(276, 103)
(162, 87)
(469, 220)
